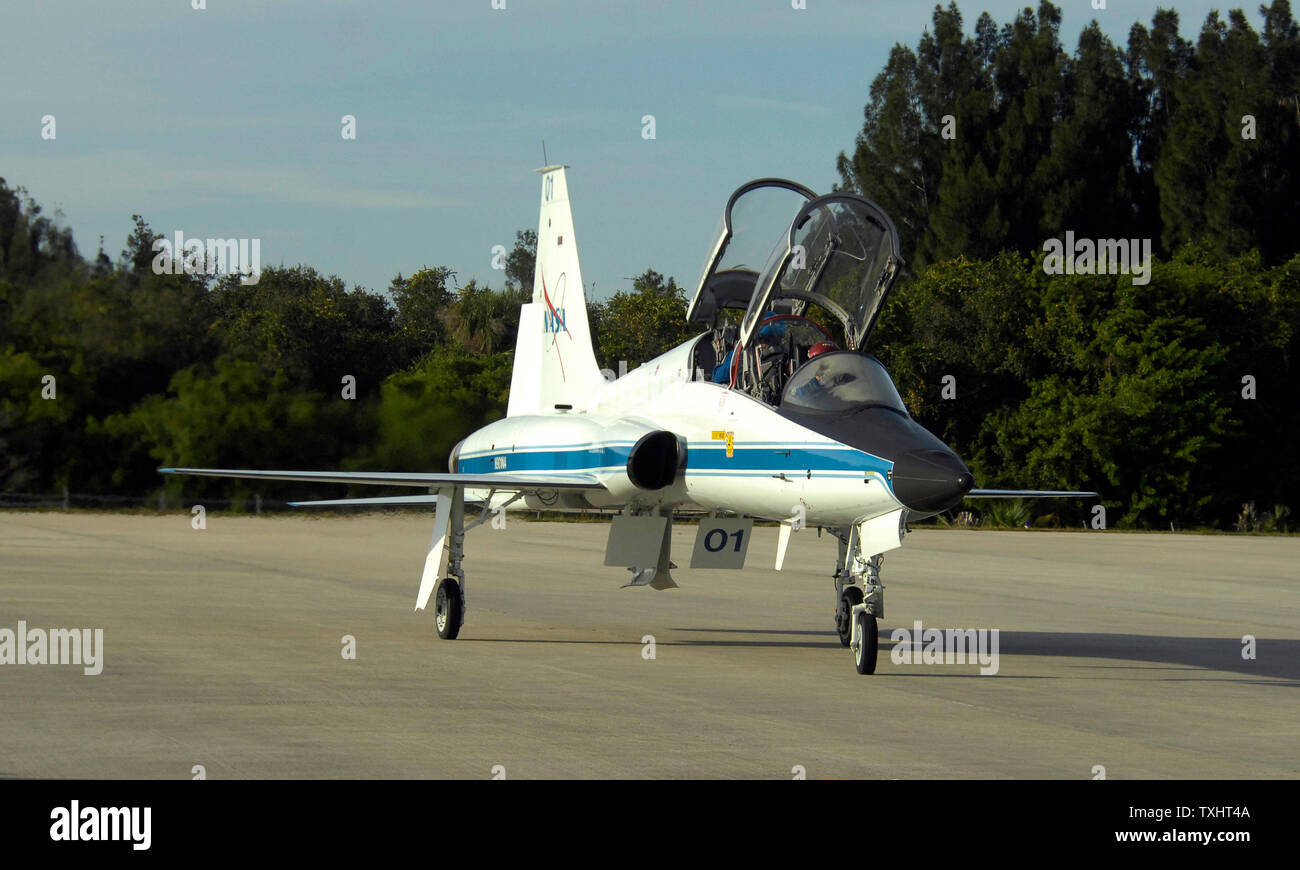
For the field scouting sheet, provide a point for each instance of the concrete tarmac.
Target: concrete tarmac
(223, 648)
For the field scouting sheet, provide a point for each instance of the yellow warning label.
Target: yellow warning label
(719, 435)
(730, 445)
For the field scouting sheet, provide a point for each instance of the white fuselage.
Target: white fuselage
(741, 456)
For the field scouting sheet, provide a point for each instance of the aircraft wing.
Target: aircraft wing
(1029, 493)
(500, 482)
(393, 501)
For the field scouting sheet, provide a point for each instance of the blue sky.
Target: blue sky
(225, 122)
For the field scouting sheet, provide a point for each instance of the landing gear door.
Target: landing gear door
(635, 541)
(722, 543)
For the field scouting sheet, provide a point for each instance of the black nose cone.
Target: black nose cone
(930, 480)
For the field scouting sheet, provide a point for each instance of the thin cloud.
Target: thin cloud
(153, 181)
(764, 104)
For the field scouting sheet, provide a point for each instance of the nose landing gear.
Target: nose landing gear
(860, 601)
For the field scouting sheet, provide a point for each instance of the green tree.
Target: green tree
(421, 301)
(638, 326)
(424, 412)
(481, 320)
(309, 326)
(521, 262)
(35, 437)
(895, 162)
(997, 141)
(1088, 176)
(1157, 60)
(960, 105)
(233, 414)
(32, 246)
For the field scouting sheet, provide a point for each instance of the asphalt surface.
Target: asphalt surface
(223, 647)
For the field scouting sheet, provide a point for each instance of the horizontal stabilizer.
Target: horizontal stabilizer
(1029, 493)
(499, 482)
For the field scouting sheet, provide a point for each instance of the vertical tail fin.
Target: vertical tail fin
(554, 361)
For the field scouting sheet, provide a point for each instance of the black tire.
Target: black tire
(865, 655)
(448, 609)
(850, 597)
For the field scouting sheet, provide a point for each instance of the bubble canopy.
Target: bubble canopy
(839, 252)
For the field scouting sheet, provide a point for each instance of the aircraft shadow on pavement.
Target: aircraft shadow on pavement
(1275, 658)
(831, 640)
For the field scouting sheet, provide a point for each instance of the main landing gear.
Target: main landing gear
(443, 577)
(449, 598)
(448, 609)
(860, 600)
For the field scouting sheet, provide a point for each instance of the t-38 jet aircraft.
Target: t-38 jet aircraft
(775, 411)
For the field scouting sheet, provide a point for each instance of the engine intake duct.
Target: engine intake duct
(656, 460)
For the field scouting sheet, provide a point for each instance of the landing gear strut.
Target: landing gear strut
(442, 564)
(449, 599)
(860, 600)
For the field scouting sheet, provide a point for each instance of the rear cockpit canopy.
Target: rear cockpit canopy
(755, 215)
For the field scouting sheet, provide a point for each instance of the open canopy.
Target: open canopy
(755, 215)
(840, 253)
(781, 248)
(795, 263)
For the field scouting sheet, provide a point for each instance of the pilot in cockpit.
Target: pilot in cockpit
(820, 382)
(769, 334)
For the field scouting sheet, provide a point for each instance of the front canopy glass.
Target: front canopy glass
(841, 381)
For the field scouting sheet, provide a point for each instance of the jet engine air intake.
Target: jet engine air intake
(655, 460)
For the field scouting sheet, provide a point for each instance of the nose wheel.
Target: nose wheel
(866, 640)
(849, 598)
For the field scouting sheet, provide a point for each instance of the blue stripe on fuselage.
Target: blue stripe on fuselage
(702, 457)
